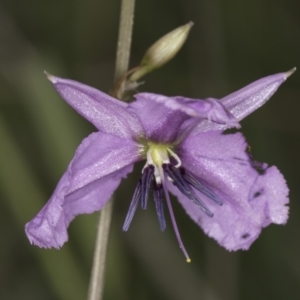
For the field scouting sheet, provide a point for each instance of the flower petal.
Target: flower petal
(104, 112)
(254, 196)
(49, 227)
(100, 162)
(210, 109)
(161, 123)
(163, 116)
(98, 155)
(246, 100)
(93, 196)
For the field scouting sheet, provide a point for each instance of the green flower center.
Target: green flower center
(157, 155)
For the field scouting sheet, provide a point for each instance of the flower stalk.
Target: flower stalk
(97, 280)
(124, 38)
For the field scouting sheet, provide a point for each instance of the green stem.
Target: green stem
(97, 280)
(124, 39)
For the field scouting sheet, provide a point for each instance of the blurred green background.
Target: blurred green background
(233, 43)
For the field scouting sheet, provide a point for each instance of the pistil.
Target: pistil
(172, 216)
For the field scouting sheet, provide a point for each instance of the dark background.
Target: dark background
(232, 43)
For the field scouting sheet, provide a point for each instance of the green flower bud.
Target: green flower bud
(162, 51)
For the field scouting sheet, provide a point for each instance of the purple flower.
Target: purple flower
(187, 153)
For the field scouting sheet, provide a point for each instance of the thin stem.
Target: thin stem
(97, 279)
(124, 39)
(98, 270)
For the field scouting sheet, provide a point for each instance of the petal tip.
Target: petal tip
(50, 77)
(290, 72)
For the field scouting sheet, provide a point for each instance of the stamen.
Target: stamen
(174, 155)
(193, 181)
(158, 199)
(147, 177)
(133, 206)
(184, 187)
(172, 215)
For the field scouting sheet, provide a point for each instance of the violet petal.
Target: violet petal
(163, 116)
(161, 123)
(98, 155)
(252, 199)
(108, 115)
(100, 162)
(210, 109)
(246, 100)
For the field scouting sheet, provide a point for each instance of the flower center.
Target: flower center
(157, 156)
(163, 163)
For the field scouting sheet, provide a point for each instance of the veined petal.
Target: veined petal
(93, 196)
(209, 109)
(49, 227)
(107, 114)
(100, 162)
(161, 123)
(246, 100)
(252, 197)
(162, 116)
(98, 155)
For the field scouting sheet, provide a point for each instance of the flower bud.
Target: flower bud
(162, 51)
